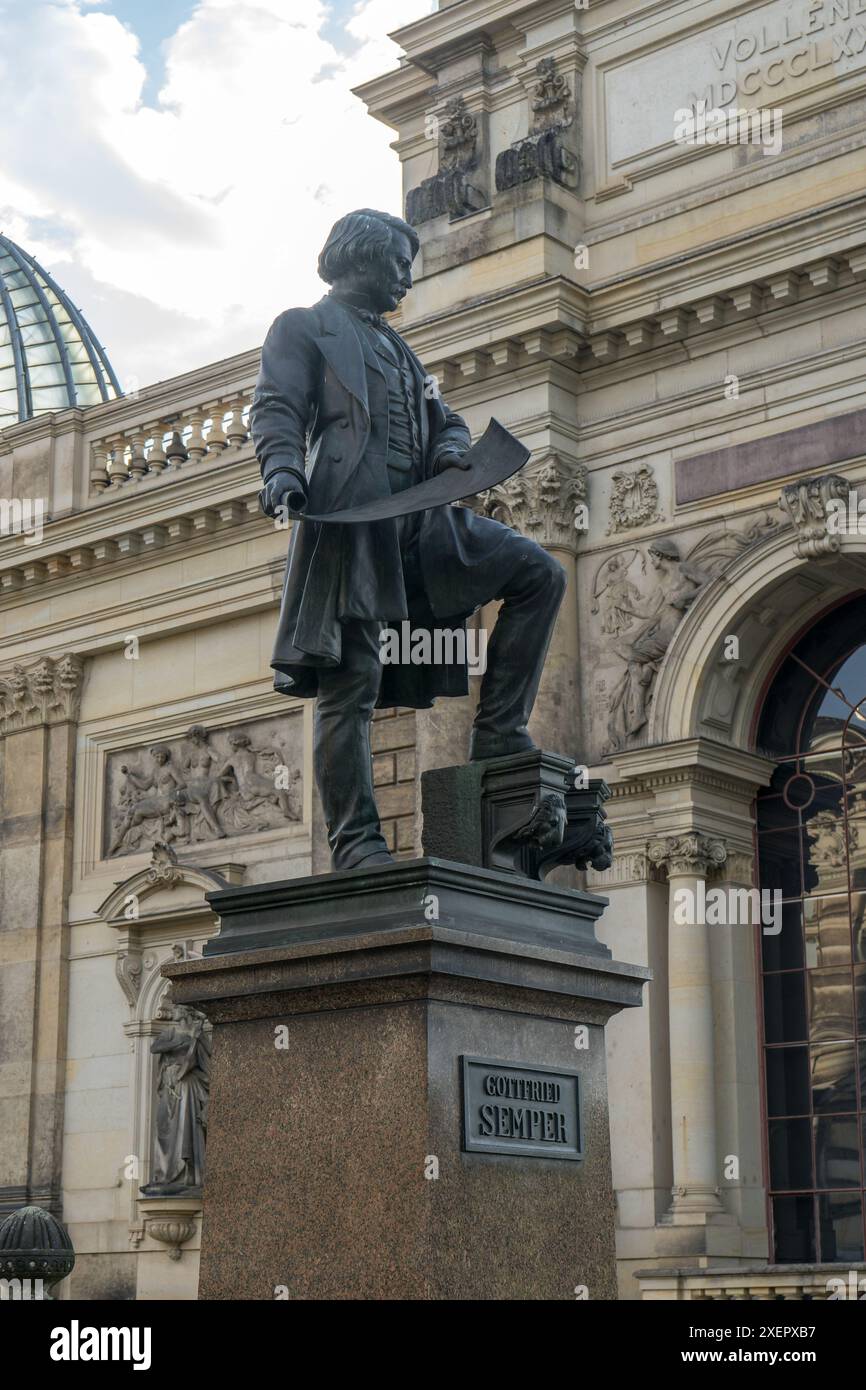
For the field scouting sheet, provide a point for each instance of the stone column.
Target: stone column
(38, 710)
(688, 859)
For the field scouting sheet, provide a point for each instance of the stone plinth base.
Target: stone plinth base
(342, 1007)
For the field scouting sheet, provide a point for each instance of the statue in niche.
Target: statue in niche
(203, 788)
(159, 795)
(183, 1082)
(249, 789)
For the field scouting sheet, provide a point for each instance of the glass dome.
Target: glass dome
(49, 356)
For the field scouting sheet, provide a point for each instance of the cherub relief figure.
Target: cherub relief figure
(253, 789)
(198, 763)
(164, 799)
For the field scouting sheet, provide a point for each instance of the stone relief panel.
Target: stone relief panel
(639, 598)
(634, 500)
(205, 785)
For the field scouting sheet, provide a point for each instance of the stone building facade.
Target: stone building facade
(677, 333)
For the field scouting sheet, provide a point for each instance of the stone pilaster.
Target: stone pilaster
(38, 709)
(689, 858)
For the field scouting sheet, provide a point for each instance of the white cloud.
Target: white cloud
(188, 227)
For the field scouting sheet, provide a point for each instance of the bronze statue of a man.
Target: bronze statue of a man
(344, 413)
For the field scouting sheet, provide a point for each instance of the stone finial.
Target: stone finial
(805, 503)
(687, 854)
(46, 692)
(34, 1245)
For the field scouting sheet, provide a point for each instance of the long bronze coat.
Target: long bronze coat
(320, 410)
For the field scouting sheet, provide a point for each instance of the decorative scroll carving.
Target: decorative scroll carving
(638, 627)
(542, 153)
(544, 505)
(205, 786)
(45, 693)
(567, 827)
(450, 191)
(805, 505)
(634, 500)
(551, 98)
(687, 854)
(458, 136)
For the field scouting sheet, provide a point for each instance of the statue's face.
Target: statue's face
(388, 279)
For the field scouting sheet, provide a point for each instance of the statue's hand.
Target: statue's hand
(281, 490)
(450, 460)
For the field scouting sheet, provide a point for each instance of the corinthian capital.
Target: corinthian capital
(687, 854)
(45, 692)
(542, 504)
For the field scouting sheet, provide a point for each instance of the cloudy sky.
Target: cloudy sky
(176, 164)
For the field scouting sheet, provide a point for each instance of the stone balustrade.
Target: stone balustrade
(167, 446)
(171, 427)
(755, 1283)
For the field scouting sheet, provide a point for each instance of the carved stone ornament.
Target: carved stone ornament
(458, 136)
(805, 505)
(207, 785)
(183, 1048)
(634, 500)
(542, 153)
(638, 626)
(547, 505)
(450, 192)
(46, 692)
(692, 854)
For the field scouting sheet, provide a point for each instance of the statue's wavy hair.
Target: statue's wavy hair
(361, 237)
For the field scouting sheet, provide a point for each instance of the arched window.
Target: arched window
(811, 825)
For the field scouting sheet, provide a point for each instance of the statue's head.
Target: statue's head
(370, 254)
(663, 552)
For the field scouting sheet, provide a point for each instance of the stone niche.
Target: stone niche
(204, 785)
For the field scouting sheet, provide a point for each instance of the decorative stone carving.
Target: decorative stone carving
(542, 153)
(450, 191)
(127, 968)
(687, 854)
(544, 504)
(551, 99)
(205, 786)
(183, 1084)
(634, 500)
(163, 866)
(458, 136)
(826, 835)
(638, 629)
(805, 505)
(45, 693)
(170, 1220)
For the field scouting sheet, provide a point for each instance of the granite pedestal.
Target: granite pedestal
(353, 1151)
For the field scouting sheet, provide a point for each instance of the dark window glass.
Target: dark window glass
(787, 1081)
(785, 1008)
(811, 833)
(841, 1220)
(790, 1155)
(794, 1228)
